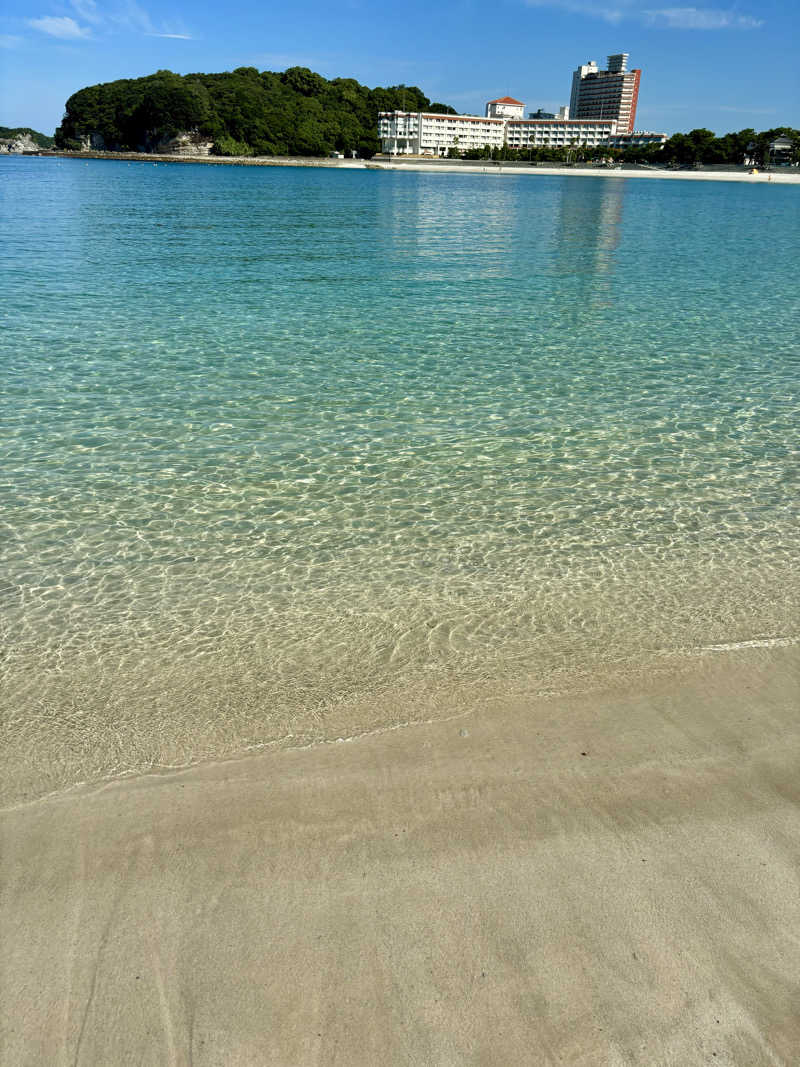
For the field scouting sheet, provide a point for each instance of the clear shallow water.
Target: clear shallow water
(289, 453)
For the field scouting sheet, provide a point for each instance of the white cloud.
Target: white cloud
(608, 14)
(87, 10)
(747, 110)
(673, 18)
(124, 15)
(696, 18)
(60, 26)
(129, 15)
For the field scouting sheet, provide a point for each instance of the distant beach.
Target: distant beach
(784, 178)
(431, 166)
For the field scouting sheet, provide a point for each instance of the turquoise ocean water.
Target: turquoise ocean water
(294, 453)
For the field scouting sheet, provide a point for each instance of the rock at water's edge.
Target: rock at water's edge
(23, 142)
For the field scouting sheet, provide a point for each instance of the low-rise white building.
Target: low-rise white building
(404, 133)
(505, 108)
(558, 133)
(408, 133)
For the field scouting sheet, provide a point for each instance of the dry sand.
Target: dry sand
(606, 878)
(776, 177)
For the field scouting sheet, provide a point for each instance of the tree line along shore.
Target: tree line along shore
(237, 113)
(247, 113)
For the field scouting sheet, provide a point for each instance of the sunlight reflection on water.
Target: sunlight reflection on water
(277, 441)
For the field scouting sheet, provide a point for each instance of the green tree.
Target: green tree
(294, 112)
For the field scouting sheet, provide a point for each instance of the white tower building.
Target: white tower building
(505, 108)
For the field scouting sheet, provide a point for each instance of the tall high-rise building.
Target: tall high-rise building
(606, 95)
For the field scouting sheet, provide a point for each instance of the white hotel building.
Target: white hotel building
(404, 133)
(558, 133)
(409, 133)
(606, 108)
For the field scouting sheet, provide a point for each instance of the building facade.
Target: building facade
(404, 133)
(563, 113)
(558, 133)
(601, 112)
(608, 95)
(410, 133)
(505, 108)
(637, 139)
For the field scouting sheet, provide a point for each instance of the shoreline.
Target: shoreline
(775, 176)
(66, 764)
(602, 172)
(605, 877)
(402, 619)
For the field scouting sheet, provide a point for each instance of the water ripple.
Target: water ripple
(283, 444)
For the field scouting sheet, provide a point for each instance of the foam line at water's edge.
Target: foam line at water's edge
(732, 646)
(158, 770)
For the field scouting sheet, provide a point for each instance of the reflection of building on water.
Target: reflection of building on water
(589, 225)
(469, 236)
(588, 233)
(478, 234)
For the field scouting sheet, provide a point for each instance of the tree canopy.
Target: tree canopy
(298, 112)
(243, 112)
(703, 147)
(699, 147)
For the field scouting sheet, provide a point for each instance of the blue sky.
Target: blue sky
(724, 67)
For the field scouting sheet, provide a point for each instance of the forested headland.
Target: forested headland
(242, 112)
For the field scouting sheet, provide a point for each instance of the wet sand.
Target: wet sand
(603, 878)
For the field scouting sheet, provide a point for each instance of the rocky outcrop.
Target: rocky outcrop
(92, 142)
(21, 143)
(185, 143)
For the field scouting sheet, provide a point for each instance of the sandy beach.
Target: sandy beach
(606, 877)
(400, 660)
(788, 177)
